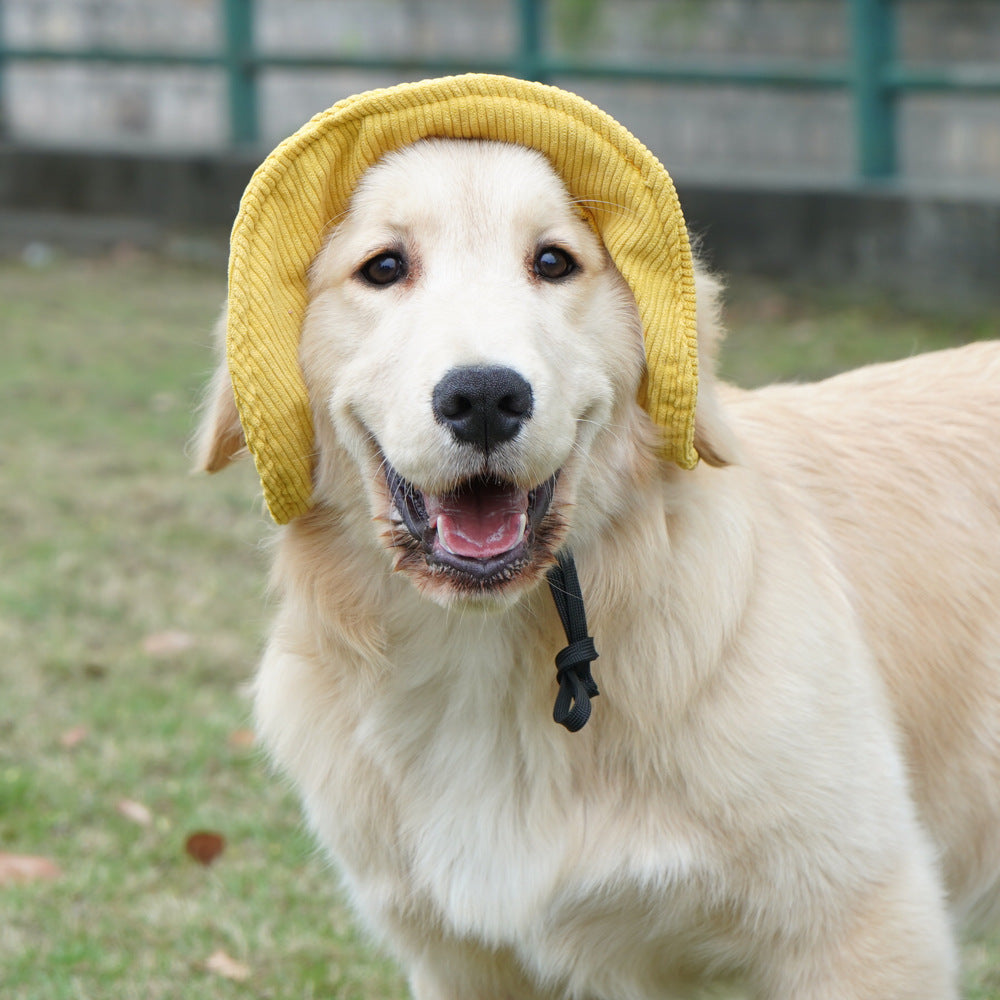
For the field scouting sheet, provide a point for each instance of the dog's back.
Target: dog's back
(901, 461)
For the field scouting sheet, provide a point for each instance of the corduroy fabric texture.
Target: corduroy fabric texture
(307, 182)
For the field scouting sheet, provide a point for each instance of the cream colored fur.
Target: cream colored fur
(791, 779)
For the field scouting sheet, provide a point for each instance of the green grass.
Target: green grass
(803, 334)
(106, 540)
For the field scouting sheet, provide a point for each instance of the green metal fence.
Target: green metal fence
(871, 73)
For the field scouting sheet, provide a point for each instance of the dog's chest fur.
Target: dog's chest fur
(482, 816)
(454, 804)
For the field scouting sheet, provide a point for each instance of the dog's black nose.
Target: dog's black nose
(483, 405)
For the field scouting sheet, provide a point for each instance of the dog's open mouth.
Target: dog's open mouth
(483, 531)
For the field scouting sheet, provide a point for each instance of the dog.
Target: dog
(790, 782)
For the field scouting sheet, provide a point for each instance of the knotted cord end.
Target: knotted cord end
(576, 683)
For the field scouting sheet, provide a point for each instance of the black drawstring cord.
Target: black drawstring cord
(576, 685)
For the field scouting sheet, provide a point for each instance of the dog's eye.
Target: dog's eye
(553, 263)
(383, 269)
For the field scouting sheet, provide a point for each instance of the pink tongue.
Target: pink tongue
(479, 523)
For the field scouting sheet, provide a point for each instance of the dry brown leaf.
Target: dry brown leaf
(26, 868)
(73, 737)
(167, 643)
(226, 966)
(242, 739)
(135, 811)
(205, 846)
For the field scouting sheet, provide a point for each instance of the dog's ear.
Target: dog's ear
(713, 439)
(219, 438)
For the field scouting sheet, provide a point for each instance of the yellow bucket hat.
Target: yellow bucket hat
(307, 182)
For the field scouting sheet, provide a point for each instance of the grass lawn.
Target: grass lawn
(131, 613)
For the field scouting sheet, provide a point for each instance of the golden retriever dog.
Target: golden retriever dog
(790, 783)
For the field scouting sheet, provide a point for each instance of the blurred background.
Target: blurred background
(889, 109)
(837, 160)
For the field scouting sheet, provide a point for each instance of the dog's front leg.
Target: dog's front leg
(460, 971)
(896, 943)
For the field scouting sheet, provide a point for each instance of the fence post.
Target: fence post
(3, 68)
(530, 56)
(241, 71)
(872, 38)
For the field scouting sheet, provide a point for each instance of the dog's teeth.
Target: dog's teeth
(441, 537)
(522, 527)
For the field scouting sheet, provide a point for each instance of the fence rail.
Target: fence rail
(871, 73)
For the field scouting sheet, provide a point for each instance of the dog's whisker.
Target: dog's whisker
(619, 209)
(333, 223)
(619, 432)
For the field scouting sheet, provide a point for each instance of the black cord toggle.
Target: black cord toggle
(576, 684)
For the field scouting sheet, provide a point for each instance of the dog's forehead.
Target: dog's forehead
(429, 183)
